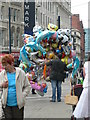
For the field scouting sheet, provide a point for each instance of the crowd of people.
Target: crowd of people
(14, 87)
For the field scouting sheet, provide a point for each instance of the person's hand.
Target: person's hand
(45, 61)
(72, 66)
(5, 84)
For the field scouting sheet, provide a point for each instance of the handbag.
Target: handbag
(71, 99)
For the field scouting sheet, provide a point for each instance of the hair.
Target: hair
(8, 58)
(59, 56)
(89, 58)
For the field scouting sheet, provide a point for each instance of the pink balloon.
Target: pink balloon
(54, 36)
(73, 53)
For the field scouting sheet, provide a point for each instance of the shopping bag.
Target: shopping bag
(71, 99)
(77, 90)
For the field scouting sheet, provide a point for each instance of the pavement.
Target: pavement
(40, 106)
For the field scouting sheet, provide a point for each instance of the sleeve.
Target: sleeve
(26, 86)
(49, 63)
(1, 89)
(66, 69)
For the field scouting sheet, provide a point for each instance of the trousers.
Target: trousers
(13, 113)
(56, 84)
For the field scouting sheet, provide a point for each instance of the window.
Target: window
(2, 12)
(11, 14)
(18, 15)
(12, 35)
(18, 37)
(46, 22)
(41, 18)
(14, 15)
(57, 10)
(12, 39)
(1, 38)
(43, 4)
(48, 6)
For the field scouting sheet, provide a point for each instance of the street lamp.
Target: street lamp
(37, 6)
(9, 30)
(58, 22)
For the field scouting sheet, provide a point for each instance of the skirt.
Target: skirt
(82, 109)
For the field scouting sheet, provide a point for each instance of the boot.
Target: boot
(33, 91)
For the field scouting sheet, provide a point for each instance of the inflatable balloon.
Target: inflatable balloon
(54, 36)
(76, 66)
(26, 35)
(42, 88)
(23, 56)
(66, 59)
(52, 27)
(24, 66)
(73, 53)
(46, 44)
(28, 39)
(37, 28)
(43, 35)
(51, 55)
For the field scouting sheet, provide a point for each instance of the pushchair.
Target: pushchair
(77, 91)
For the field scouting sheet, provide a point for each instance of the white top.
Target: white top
(86, 82)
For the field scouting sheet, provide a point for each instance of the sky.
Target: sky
(81, 7)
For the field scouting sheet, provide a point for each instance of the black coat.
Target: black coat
(58, 69)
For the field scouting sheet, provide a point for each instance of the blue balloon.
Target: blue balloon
(43, 35)
(57, 51)
(76, 66)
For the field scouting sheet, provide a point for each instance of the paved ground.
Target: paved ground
(41, 107)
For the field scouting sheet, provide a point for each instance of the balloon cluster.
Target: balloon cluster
(44, 44)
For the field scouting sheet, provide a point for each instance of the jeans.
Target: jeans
(55, 84)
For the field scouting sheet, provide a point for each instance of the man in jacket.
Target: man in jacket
(57, 75)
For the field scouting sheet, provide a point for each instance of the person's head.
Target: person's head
(59, 56)
(7, 61)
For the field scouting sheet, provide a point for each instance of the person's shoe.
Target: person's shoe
(52, 101)
(73, 118)
(59, 100)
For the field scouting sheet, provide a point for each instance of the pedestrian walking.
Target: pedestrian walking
(57, 76)
(82, 109)
(14, 89)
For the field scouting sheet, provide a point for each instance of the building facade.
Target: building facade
(17, 26)
(76, 38)
(87, 42)
(47, 11)
(77, 24)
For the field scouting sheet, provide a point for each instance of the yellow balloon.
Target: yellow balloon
(65, 59)
(51, 55)
(52, 27)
